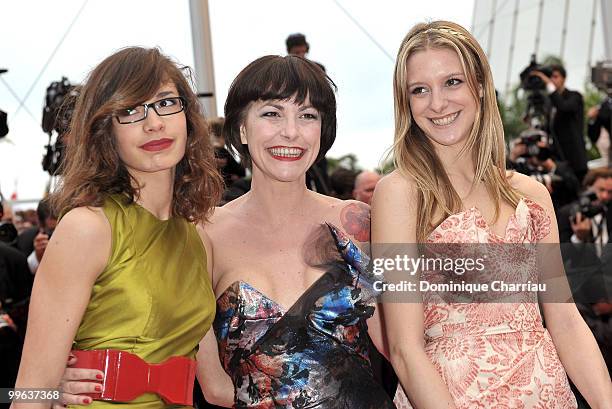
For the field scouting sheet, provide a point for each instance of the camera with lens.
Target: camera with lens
(588, 206)
(532, 161)
(59, 105)
(532, 139)
(530, 82)
(537, 112)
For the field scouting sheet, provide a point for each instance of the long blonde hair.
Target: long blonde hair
(414, 154)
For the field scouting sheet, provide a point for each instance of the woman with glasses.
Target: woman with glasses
(125, 273)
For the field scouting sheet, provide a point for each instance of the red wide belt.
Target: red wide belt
(126, 376)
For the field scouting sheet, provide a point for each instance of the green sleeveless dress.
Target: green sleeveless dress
(154, 298)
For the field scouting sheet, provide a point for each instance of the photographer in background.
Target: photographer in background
(567, 119)
(33, 241)
(599, 117)
(8, 232)
(588, 220)
(584, 228)
(531, 155)
(15, 288)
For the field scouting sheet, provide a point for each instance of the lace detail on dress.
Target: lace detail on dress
(494, 355)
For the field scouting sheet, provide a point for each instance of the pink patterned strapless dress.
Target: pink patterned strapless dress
(494, 355)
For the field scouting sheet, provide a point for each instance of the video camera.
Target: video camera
(538, 104)
(57, 112)
(531, 82)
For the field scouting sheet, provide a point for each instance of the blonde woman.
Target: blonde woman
(450, 186)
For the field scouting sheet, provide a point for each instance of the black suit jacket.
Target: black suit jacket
(565, 227)
(15, 285)
(585, 269)
(15, 277)
(25, 241)
(567, 128)
(602, 120)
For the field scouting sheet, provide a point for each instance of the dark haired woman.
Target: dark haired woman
(125, 270)
(293, 299)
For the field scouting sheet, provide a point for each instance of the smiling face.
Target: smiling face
(156, 143)
(441, 102)
(283, 138)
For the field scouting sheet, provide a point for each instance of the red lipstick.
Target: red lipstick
(286, 153)
(157, 145)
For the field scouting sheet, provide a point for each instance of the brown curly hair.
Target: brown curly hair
(92, 169)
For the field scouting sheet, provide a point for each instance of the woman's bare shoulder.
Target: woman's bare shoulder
(86, 221)
(530, 188)
(395, 190)
(396, 183)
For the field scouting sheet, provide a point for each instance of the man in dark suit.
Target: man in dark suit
(587, 257)
(574, 227)
(33, 242)
(567, 122)
(15, 284)
(15, 289)
(599, 117)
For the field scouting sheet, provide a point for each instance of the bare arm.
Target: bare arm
(573, 339)
(394, 221)
(75, 256)
(355, 221)
(216, 384)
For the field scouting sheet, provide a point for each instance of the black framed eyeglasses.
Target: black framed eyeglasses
(163, 107)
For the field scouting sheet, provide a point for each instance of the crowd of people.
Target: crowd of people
(229, 248)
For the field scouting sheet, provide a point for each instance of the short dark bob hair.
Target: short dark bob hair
(280, 78)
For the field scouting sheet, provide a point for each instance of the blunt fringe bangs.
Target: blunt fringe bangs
(280, 78)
